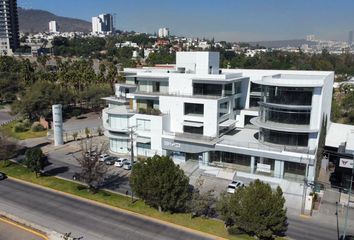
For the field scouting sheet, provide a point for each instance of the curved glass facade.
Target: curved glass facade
(287, 95)
(286, 116)
(283, 138)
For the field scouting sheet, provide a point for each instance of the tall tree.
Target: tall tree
(93, 172)
(34, 160)
(255, 210)
(160, 183)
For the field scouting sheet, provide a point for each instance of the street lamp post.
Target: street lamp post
(132, 132)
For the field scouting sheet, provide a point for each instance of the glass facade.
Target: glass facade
(287, 116)
(287, 95)
(223, 109)
(193, 130)
(207, 89)
(193, 109)
(118, 145)
(237, 86)
(284, 138)
(236, 161)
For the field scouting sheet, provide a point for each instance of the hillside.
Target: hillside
(33, 20)
(281, 43)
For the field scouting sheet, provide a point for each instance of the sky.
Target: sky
(230, 20)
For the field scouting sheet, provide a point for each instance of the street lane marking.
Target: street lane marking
(24, 228)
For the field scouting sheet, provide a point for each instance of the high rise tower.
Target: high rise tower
(9, 38)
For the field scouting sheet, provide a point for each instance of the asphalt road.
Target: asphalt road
(65, 214)
(4, 117)
(298, 228)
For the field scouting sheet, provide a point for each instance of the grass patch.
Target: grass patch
(8, 130)
(211, 226)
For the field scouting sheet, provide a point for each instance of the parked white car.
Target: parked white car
(120, 162)
(231, 188)
(103, 157)
(127, 165)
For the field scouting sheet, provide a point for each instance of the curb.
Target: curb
(25, 225)
(117, 209)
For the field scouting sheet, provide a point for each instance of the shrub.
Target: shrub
(76, 112)
(20, 127)
(37, 127)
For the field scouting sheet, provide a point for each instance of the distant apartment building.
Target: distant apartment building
(103, 24)
(9, 32)
(310, 37)
(257, 123)
(53, 27)
(163, 32)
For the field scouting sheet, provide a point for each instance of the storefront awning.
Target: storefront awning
(143, 140)
(193, 124)
(227, 123)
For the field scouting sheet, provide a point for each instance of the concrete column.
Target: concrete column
(311, 173)
(58, 124)
(206, 158)
(253, 162)
(278, 169)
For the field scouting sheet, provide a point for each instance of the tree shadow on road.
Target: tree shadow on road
(56, 171)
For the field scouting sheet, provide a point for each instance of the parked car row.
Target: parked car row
(118, 162)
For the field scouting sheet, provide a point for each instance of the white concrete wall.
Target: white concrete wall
(180, 84)
(155, 132)
(174, 106)
(198, 62)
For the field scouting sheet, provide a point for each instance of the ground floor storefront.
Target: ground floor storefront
(292, 171)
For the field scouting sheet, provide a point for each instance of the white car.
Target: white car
(127, 166)
(103, 157)
(120, 162)
(231, 188)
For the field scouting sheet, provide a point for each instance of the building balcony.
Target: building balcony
(192, 138)
(248, 139)
(113, 135)
(283, 127)
(155, 95)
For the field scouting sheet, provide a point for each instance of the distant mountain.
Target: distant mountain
(34, 20)
(282, 43)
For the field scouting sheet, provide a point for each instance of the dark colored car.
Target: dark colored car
(2, 176)
(76, 176)
(110, 160)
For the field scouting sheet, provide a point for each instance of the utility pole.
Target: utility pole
(349, 194)
(132, 132)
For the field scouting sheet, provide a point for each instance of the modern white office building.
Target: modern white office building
(163, 32)
(253, 122)
(53, 27)
(103, 24)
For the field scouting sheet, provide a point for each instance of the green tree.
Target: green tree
(8, 147)
(255, 210)
(161, 184)
(75, 134)
(34, 160)
(321, 145)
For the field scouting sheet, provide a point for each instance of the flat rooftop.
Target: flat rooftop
(338, 134)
